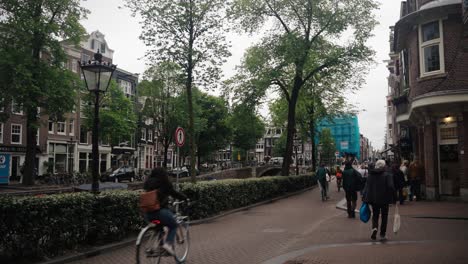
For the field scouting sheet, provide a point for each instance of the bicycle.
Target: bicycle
(151, 238)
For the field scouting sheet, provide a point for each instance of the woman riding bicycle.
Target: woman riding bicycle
(158, 180)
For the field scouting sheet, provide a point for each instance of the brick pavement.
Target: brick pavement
(312, 231)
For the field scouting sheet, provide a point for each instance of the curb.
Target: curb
(121, 244)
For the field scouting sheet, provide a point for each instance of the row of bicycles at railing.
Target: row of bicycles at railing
(75, 178)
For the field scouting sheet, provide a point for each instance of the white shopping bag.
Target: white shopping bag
(396, 220)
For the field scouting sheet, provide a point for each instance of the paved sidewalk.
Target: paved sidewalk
(303, 230)
(431, 232)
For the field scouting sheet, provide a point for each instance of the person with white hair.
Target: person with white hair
(379, 192)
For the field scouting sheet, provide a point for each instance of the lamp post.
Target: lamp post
(97, 75)
(296, 147)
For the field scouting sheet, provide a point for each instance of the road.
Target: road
(302, 229)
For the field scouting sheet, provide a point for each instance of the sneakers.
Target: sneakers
(169, 248)
(383, 237)
(374, 234)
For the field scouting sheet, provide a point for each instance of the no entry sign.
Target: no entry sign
(180, 137)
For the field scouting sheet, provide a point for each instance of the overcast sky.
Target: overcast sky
(122, 31)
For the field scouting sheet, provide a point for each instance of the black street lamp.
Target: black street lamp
(297, 142)
(97, 75)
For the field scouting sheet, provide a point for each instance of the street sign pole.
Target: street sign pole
(180, 141)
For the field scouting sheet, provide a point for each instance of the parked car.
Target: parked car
(123, 173)
(183, 172)
(276, 160)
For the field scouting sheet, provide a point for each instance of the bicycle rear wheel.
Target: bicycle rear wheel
(148, 248)
(182, 243)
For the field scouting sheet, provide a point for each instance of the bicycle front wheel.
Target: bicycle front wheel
(182, 243)
(148, 246)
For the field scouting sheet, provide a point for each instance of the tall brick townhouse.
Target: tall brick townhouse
(429, 91)
(65, 145)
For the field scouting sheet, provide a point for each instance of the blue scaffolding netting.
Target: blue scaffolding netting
(345, 131)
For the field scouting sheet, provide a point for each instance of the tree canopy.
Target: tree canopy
(32, 72)
(191, 34)
(308, 42)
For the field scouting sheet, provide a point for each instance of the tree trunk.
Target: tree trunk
(31, 110)
(191, 126)
(291, 129)
(312, 135)
(30, 161)
(166, 149)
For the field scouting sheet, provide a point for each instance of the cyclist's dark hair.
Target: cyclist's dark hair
(161, 173)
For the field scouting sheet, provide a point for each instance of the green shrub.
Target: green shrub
(35, 227)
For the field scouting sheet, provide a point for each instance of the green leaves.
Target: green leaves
(117, 115)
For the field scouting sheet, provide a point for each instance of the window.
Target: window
(143, 134)
(2, 104)
(51, 127)
(16, 108)
(37, 137)
(92, 44)
(103, 48)
(15, 134)
(85, 57)
(83, 135)
(150, 135)
(61, 128)
(71, 127)
(74, 66)
(1, 132)
(431, 48)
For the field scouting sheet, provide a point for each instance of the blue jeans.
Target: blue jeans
(167, 219)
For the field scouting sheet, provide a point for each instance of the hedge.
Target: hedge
(46, 226)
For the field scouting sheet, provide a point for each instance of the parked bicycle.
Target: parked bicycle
(151, 238)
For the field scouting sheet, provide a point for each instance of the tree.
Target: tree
(328, 147)
(306, 42)
(326, 100)
(214, 132)
(190, 34)
(247, 126)
(31, 57)
(117, 115)
(160, 88)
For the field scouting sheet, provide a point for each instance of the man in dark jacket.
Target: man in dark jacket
(379, 193)
(321, 176)
(352, 180)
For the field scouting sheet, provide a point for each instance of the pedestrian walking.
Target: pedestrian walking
(379, 192)
(339, 177)
(321, 176)
(352, 180)
(404, 169)
(399, 181)
(415, 174)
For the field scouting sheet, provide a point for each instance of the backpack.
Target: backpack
(149, 201)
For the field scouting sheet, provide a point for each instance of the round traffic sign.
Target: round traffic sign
(180, 137)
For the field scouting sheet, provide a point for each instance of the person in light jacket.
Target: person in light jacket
(379, 192)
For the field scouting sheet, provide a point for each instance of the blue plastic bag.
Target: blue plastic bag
(364, 212)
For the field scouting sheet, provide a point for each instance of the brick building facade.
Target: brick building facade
(429, 90)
